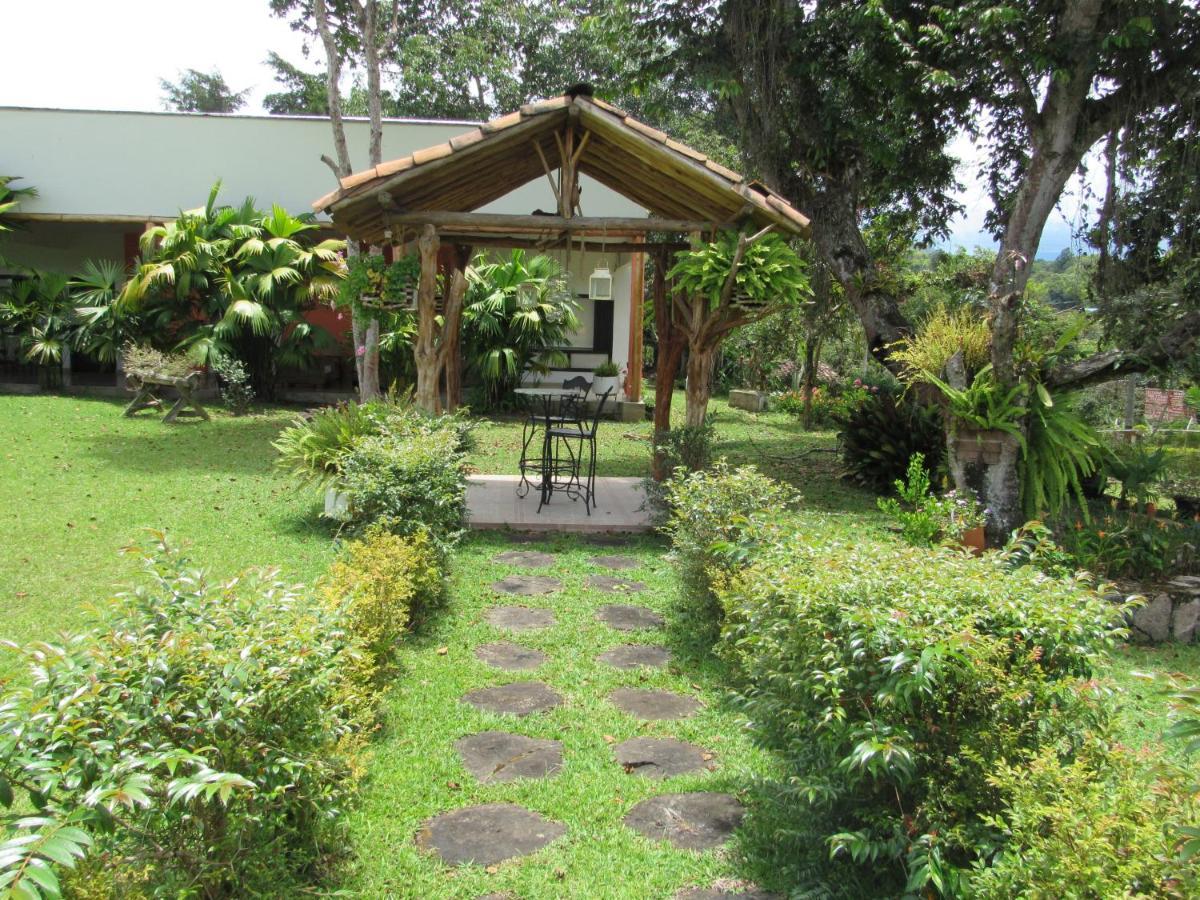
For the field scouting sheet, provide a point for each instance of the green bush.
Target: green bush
(894, 681)
(311, 448)
(880, 436)
(408, 479)
(381, 586)
(207, 732)
(688, 447)
(711, 513)
(1103, 825)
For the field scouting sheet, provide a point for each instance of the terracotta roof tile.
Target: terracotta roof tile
(466, 140)
(357, 178)
(429, 154)
(715, 166)
(326, 200)
(513, 118)
(545, 106)
(686, 150)
(392, 166)
(642, 128)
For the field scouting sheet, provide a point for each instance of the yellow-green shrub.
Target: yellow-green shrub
(944, 333)
(382, 585)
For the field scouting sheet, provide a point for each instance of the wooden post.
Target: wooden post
(425, 353)
(637, 286)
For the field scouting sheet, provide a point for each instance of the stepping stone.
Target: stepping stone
(520, 698)
(633, 656)
(527, 585)
(616, 562)
(488, 834)
(629, 618)
(509, 656)
(526, 559)
(716, 893)
(499, 756)
(661, 757)
(653, 705)
(612, 585)
(519, 618)
(698, 821)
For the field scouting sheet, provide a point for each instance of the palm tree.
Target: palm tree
(240, 280)
(41, 310)
(514, 314)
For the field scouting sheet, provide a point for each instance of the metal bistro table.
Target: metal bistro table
(555, 405)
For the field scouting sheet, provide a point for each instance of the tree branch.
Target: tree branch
(1180, 340)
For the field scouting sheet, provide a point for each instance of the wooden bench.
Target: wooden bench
(148, 387)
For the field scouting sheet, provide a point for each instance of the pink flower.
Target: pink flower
(361, 351)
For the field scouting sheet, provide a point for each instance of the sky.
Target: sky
(110, 54)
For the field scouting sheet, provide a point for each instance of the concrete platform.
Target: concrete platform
(492, 502)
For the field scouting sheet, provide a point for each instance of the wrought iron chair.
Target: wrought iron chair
(566, 411)
(574, 439)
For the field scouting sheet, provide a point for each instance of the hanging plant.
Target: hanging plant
(374, 284)
(770, 272)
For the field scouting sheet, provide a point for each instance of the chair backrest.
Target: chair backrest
(600, 401)
(578, 383)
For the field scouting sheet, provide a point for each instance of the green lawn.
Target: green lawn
(78, 482)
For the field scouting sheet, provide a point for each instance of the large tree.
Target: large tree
(848, 110)
(201, 92)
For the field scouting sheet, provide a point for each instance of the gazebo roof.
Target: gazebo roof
(682, 188)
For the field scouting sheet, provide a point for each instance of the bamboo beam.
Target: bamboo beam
(525, 223)
(557, 243)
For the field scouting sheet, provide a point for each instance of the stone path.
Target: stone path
(488, 834)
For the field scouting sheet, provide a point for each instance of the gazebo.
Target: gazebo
(432, 197)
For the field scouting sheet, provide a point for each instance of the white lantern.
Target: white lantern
(600, 284)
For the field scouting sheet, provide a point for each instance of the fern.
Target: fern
(1059, 452)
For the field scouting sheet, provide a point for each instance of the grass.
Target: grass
(78, 482)
(417, 773)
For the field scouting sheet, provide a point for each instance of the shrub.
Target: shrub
(711, 515)
(235, 384)
(925, 518)
(880, 436)
(408, 480)
(207, 732)
(689, 447)
(1102, 825)
(945, 332)
(311, 448)
(314, 447)
(893, 681)
(381, 586)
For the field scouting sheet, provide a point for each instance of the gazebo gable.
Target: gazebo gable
(558, 139)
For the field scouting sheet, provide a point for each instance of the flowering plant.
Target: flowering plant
(963, 513)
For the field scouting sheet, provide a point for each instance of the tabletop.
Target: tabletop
(546, 391)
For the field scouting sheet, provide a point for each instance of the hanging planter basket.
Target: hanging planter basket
(742, 300)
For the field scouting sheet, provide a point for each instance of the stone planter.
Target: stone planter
(754, 401)
(973, 446)
(602, 383)
(337, 504)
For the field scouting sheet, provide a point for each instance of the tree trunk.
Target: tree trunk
(810, 380)
(425, 352)
(701, 364)
(667, 357)
(368, 387)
